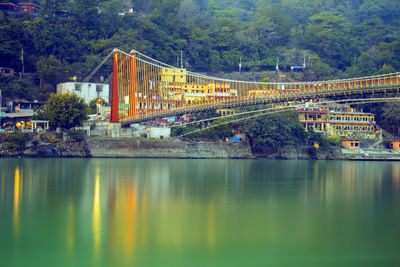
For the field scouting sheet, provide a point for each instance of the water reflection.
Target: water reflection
(16, 202)
(128, 210)
(96, 218)
(70, 231)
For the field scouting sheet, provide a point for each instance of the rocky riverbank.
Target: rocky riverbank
(53, 145)
(42, 145)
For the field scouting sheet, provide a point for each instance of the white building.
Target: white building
(158, 132)
(88, 91)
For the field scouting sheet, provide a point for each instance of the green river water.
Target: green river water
(190, 212)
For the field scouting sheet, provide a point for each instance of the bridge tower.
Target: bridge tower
(114, 90)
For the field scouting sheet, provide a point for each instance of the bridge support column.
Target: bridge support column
(132, 86)
(114, 130)
(114, 91)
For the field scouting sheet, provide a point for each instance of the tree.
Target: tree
(327, 36)
(391, 114)
(50, 70)
(65, 111)
(274, 130)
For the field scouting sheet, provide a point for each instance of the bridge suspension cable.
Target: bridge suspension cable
(144, 88)
(96, 69)
(273, 110)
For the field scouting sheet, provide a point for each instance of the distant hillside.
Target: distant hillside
(334, 38)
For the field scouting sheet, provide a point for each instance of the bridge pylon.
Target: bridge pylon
(114, 89)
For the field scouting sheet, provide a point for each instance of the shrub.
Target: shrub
(76, 135)
(16, 141)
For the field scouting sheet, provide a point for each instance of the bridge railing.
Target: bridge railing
(143, 87)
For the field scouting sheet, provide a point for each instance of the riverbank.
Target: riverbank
(52, 145)
(131, 148)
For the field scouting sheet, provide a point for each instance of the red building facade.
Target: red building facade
(29, 7)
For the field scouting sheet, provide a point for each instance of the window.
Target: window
(99, 88)
(351, 144)
(78, 87)
(356, 144)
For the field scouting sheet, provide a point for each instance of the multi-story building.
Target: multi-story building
(315, 119)
(348, 123)
(340, 121)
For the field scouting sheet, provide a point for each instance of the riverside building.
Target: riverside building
(340, 121)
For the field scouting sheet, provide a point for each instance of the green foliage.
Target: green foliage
(334, 139)
(92, 107)
(210, 132)
(274, 130)
(76, 135)
(65, 111)
(16, 141)
(391, 115)
(48, 137)
(323, 141)
(50, 71)
(178, 131)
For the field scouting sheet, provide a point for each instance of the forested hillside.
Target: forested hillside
(337, 38)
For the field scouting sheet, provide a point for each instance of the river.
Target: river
(190, 212)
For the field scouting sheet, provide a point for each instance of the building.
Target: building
(18, 111)
(9, 7)
(395, 145)
(158, 132)
(351, 144)
(126, 11)
(349, 123)
(315, 119)
(340, 121)
(88, 91)
(21, 7)
(29, 7)
(6, 72)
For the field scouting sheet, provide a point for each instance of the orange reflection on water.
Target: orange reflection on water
(16, 201)
(129, 222)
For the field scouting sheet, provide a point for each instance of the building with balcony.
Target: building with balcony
(340, 121)
(315, 119)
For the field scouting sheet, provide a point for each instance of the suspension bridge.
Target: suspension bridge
(144, 88)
